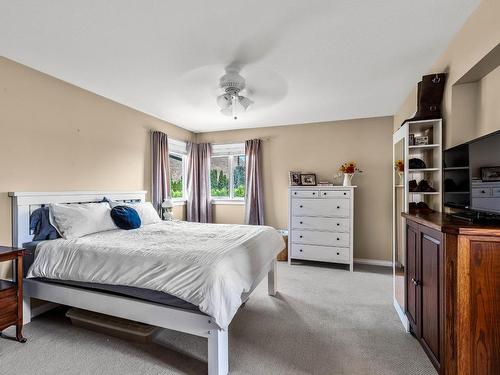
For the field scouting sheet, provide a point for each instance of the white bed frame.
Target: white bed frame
(23, 203)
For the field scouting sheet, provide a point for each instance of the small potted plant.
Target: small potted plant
(349, 169)
(399, 166)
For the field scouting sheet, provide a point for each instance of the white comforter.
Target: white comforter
(208, 265)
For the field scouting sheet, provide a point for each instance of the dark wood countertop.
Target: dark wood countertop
(445, 223)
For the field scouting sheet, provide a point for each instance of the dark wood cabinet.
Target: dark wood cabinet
(453, 293)
(424, 288)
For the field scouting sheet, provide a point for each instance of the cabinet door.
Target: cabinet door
(430, 304)
(412, 256)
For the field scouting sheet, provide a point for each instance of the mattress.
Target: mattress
(148, 295)
(211, 266)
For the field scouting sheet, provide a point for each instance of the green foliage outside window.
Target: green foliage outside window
(239, 181)
(176, 188)
(219, 183)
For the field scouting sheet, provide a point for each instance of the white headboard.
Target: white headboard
(24, 203)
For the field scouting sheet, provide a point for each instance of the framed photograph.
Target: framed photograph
(490, 174)
(308, 179)
(424, 140)
(294, 178)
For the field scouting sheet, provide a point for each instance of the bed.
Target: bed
(181, 276)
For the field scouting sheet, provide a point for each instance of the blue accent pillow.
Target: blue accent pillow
(40, 225)
(125, 217)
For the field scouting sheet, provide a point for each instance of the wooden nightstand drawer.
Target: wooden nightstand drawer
(11, 292)
(6, 302)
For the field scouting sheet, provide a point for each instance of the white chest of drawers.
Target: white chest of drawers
(321, 224)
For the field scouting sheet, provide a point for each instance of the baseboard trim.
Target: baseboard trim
(373, 262)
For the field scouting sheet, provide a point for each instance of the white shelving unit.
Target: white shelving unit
(431, 154)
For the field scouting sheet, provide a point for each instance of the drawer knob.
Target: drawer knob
(338, 239)
(324, 193)
(301, 222)
(338, 253)
(300, 206)
(314, 193)
(295, 193)
(338, 207)
(345, 193)
(338, 224)
(300, 250)
(300, 236)
(415, 282)
(482, 191)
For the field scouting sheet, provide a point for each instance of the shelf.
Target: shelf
(425, 192)
(423, 170)
(424, 147)
(5, 284)
(456, 169)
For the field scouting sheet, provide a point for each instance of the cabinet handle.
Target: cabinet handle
(415, 282)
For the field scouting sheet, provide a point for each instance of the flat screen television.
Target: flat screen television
(471, 176)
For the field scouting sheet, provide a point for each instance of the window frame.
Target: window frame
(229, 151)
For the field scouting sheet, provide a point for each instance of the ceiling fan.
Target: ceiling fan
(231, 102)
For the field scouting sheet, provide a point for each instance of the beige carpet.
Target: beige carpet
(324, 321)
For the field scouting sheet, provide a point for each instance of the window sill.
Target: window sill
(237, 202)
(179, 202)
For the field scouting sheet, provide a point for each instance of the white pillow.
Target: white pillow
(146, 211)
(77, 220)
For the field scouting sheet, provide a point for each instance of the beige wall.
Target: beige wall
(55, 136)
(321, 148)
(479, 35)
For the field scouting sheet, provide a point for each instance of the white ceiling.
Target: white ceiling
(306, 60)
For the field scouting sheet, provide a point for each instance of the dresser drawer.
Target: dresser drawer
(321, 253)
(481, 192)
(305, 194)
(320, 238)
(321, 207)
(6, 302)
(334, 194)
(320, 223)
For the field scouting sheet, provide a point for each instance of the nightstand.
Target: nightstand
(11, 292)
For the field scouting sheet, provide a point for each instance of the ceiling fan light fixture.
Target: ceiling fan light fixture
(245, 102)
(224, 101)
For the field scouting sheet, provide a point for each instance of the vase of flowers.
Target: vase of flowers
(349, 169)
(399, 166)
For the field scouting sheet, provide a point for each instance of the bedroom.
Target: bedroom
(84, 85)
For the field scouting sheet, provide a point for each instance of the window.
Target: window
(227, 172)
(177, 164)
(176, 175)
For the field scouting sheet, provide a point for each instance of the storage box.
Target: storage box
(118, 327)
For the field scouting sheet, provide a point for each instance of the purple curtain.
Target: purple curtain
(254, 200)
(160, 174)
(199, 205)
